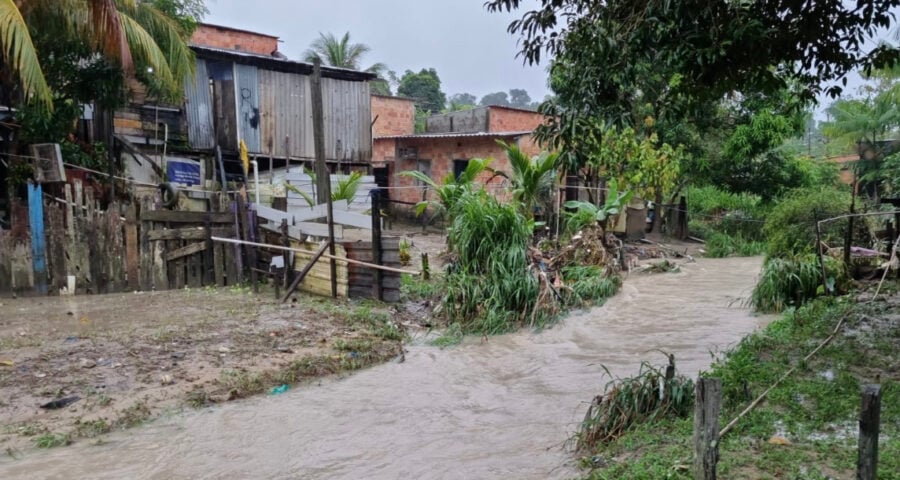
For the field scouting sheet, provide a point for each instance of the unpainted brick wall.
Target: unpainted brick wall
(220, 37)
(395, 116)
(510, 120)
(442, 152)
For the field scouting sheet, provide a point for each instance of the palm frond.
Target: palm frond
(20, 55)
(146, 50)
(169, 35)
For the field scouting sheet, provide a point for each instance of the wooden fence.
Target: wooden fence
(68, 245)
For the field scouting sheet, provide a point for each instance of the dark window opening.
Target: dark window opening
(459, 166)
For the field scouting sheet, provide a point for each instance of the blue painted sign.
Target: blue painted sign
(185, 172)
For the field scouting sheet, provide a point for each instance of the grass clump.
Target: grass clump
(52, 440)
(651, 395)
(787, 282)
(590, 285)
(720, 245)
(489, 288)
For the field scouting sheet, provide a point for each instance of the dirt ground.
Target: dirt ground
(130, 357)
(114, 361)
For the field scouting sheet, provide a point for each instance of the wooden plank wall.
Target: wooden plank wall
(354, 281)
(361, 277)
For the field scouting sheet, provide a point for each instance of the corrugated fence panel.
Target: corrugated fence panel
(247, 93)
(348, 134)
(199, 109)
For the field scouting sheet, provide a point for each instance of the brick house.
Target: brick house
(450, 140)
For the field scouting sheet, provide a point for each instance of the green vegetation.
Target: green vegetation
(815, 411)
(51, 440)
(787, 282)
(489, 289)
(628, 402)
(791, 226)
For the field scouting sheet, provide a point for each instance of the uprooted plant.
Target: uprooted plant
(650, 395)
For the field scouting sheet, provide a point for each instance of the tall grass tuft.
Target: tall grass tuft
(720, 245)
(791, 282)
(489, 288)
(589, 284)
(650, 395)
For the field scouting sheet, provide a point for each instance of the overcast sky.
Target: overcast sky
(468, 46)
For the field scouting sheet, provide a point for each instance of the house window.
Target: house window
(459, 166)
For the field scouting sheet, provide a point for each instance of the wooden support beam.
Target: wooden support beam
(38, 240)
(192, 233)
(185, 251)
(707, 405)
(176, 216)
(376, 244)
(300, 276)
(869, 428)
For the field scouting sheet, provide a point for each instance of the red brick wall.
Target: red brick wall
(442, 152)
(221, 37)
(384, 149)
(510, 120)
(395, 116)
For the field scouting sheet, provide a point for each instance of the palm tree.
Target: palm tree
(125, 32)
(341, 53)
(531, 179)
(452, 187)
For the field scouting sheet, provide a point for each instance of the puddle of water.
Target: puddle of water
(497, 409)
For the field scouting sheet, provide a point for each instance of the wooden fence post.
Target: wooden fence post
(869, 426)
(376, 244)
(707, 404)
(426, 269)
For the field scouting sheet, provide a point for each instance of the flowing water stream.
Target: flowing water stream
(503, 408)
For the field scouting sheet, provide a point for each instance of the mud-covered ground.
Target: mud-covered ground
(131, 357)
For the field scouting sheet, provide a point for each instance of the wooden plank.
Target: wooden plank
(175, 216)
(302, 274)
(38, 239)
(869, 428)
(271, 214)
(56, 247)
(707, 404)
(249, 250)
(116, 246)
(5, 257)
(313, 213)
(304, 229)
(237, 255)
(70, 212)
(186, 250)
(132, 249)
(353, 219)
(146, 264)
(191, 233)
(219, 264)
(207, 265)
(22, 268)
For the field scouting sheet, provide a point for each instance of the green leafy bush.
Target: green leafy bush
(791, 226)
(589, 285)
(489, 288)
(791, 282)
(720, 245)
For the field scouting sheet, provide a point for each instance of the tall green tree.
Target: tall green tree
(496, 98)
(425, 88)
(128, 34)
(519, 98)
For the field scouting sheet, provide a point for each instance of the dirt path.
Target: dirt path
(497, 409)
(127, 358)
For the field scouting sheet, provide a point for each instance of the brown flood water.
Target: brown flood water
(500, 409)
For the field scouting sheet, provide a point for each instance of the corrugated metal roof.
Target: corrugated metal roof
(454, 135)
(278, 64)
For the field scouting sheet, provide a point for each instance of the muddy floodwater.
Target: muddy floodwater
(501, 408)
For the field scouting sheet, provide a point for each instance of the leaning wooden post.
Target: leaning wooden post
(869, 426)
(707, 403)
(848, 239)
(376, 244)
